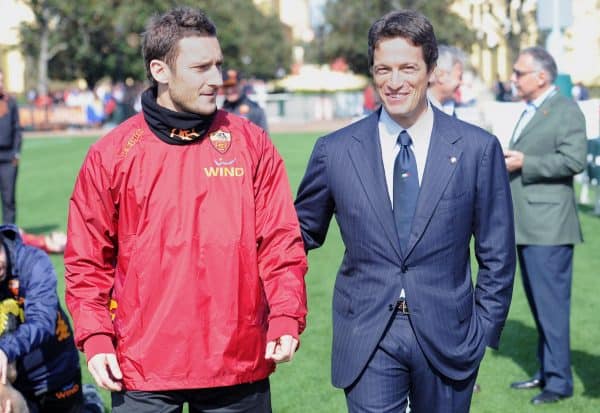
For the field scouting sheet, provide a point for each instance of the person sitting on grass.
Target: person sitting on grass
(36, 333)
(52, 243)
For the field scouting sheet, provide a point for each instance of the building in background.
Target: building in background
(12, 60)
(296, 14)
(503, 27)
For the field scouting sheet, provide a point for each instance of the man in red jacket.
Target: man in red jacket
(184, 261)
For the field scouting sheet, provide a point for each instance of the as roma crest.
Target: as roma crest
(220, 140)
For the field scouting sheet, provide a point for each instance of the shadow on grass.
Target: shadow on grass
(587, 210)
(586, 366)
(41, 229)
(519, 343)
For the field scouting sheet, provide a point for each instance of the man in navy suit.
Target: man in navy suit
(409, 187)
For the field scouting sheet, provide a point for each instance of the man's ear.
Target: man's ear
(435, 74)
(542, 78)
(160, 71)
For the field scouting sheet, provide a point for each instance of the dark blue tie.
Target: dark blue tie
(406, 188)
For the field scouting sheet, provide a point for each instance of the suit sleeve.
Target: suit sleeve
(261, 119)
(90, 255)
(494, 235)
(281, 257)
(41, 306)
(314, 203)
(569, 157)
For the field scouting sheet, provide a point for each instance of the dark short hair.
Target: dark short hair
(543, 60)
(410, 25)
(163, 32)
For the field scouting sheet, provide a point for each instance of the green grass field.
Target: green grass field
(47, 173)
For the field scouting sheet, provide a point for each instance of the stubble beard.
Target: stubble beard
(189, 102)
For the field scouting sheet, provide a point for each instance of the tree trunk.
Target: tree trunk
(42, 83)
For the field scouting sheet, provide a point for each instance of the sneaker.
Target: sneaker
(92, 402)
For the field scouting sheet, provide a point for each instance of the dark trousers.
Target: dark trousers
(397, 370)
(243, 398)
(8, 181)
(547, 272)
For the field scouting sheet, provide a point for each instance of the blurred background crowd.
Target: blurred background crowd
(76, 64)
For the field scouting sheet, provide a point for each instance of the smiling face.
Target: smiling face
(401, 77)
(192, 83)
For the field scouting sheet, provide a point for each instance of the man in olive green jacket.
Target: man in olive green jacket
(547, 149)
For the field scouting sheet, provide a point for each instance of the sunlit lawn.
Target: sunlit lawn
(47, 173)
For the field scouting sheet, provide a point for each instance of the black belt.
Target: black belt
(402, 306)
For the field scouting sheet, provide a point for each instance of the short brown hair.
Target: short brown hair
(163, 32)
(407, 24)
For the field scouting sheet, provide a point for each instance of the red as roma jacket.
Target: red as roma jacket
(184, 259)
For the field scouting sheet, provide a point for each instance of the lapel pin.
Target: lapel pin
(453, 159)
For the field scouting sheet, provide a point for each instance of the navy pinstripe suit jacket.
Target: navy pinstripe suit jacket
(464, 194)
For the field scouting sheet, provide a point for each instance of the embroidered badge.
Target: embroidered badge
(220, 140)
(184, 134)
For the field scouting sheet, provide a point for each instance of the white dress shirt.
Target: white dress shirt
(529, 112)
(389, 131)
(448, 107)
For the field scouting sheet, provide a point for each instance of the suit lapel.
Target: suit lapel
(365, 154)
(540, 114)
(442, 159)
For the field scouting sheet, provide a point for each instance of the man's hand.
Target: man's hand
(513, 160)
(106, 372)
(3, 366)
(282, 349)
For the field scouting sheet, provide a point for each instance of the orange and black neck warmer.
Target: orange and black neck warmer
(174, 128)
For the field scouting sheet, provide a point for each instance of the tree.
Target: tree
(41, 40)
(347, 24)
(93, 39)
(253, 43)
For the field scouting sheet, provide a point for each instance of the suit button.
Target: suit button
(391, 307)
(404, 269)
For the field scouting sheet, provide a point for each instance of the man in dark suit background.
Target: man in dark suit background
(410, 186)
(446, 78)
(10, 150)
(547, 149)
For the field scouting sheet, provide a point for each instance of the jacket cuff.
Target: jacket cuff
(493, 337)
(98, 344)
(280, 326)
